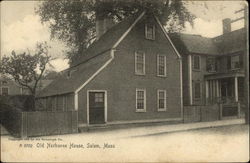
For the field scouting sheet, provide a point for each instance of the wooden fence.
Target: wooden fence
(201, 113)
(211, 112)
(230, 111)
(40, 123)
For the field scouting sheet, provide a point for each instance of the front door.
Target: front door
(96, 107)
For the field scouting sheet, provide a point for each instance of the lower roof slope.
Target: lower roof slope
(196, 44)
(67, 84)
(224, 44)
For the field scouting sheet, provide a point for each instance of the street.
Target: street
(228, 143)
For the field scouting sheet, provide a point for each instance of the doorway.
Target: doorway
(97, 102)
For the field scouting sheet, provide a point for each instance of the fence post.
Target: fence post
(24, 125)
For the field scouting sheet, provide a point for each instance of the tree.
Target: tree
(26, 69)
(74, 21)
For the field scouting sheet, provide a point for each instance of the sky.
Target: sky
(21, 28)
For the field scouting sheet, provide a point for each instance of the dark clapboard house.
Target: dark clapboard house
(131, 74)
(214, 70)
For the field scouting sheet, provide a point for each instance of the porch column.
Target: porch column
(214, 90)
(217, 89)
(207, 90)
(190, 79)
(236, 88)
(210, 88)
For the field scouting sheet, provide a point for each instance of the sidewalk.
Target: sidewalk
(117, 133)
(189, 126)
(159, 129)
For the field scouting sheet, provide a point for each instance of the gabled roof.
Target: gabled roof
(82, 70)
(196, 44)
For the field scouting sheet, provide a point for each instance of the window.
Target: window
(150, 32)
(197, 90)
(196, 62)
(98, 97)
(162, 100)
(140, 100)
(139, 63)
(161, 65)
(234, 62)
(211, 64)
(5, 91)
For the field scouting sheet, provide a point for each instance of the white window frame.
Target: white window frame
(165, 66)
(136, 70)
(7, 88)
(199, 62)
(165, 100)
(215, 60)
(144, 100)
(146, 29)
(232, 65)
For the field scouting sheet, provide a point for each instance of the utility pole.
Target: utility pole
(246, 58)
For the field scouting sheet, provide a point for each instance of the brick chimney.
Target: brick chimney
(226, 23)
(102, 25)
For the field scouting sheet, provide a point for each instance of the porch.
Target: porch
(226, 90)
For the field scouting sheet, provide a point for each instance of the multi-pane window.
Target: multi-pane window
(162, 100)
(161, 65)
(139, 63)
(140, 100)
(5, 91)
(150, 31)
(196, 62)
(235, 62)
(197, 90)
(99, 97)
(211, 64)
